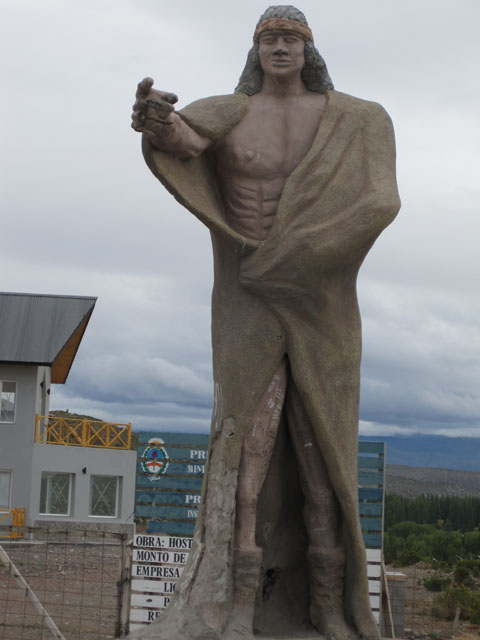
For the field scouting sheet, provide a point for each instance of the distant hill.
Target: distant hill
(60, 413)
(431, 451)
(415, 481)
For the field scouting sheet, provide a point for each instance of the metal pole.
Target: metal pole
(124, 588)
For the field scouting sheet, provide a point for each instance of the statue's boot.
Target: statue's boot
(326, 570)
(246, 574)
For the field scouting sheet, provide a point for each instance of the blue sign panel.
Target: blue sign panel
(170, 469)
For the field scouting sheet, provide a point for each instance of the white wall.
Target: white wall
(16, 439)
(72, 460)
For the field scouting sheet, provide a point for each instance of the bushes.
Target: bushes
(446, 603)
(436, 583)
(444, 533)
(407, 542)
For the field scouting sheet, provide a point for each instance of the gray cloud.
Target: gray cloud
(83, 215)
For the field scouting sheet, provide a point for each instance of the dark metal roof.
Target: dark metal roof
(36, 329)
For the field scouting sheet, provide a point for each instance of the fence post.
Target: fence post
(124, 588)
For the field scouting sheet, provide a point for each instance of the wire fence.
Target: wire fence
(419, 612)
(73, 584)
(61, 584)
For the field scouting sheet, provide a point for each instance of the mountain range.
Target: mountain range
(420, 450)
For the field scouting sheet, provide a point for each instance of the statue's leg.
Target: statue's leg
(325, 555)
(256, 453)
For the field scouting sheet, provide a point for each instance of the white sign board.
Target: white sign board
(158, 563)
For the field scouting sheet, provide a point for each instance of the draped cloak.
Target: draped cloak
(292, 294)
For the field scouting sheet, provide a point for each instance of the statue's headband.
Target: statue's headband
(283, 24)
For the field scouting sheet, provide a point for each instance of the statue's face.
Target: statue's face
(281, 53)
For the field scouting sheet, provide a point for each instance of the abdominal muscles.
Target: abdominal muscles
(251, 205)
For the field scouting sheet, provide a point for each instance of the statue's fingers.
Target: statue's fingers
(143, 87)
(138, 119)
(161, 106)
(138, 126)
(171, 98)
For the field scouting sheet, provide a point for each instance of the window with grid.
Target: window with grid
(55, 493)
(104, 496)
(5, 483)
(8, 394)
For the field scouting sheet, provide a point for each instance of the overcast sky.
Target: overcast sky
(82, 214)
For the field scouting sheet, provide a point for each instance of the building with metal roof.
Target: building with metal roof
(43, 330)
(58, 469)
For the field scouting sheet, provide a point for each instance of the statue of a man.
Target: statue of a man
(295, 181)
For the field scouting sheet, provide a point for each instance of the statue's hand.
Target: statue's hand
(153, 110)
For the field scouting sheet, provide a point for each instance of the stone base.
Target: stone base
(302, 635)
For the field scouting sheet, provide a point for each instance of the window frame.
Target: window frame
(117, 496)
(48, 474)
(15, 402)
(9, 497)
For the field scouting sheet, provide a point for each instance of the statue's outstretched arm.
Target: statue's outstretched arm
(154, 116)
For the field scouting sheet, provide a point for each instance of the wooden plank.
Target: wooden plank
(374, 602)
(153, 586)
(374, 555)
(194, 456)
(369, 493)
(156, 571)
(171, 527)
(371, 524)
(374, 570)
(374, 586)
(372, 540)
(159, 555)
(148, 615)
(170, 543)
(370, 478)
(175, 513)
(370, 509)
(146, 600)
(149, 481)
(188, 468)
(152, 498)
(370, 463)
(368, 446)
(171, 437)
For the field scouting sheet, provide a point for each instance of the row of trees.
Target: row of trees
(408, 542)
(448, 512)
(444, 532)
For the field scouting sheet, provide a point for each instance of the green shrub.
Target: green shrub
(446, 603)
(407, 557)
(463, 573)
(436, 583)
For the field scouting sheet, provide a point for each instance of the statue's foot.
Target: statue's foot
(239, 627)
(335, 628)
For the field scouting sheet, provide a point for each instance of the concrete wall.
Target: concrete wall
(73, 460)
(16, 439)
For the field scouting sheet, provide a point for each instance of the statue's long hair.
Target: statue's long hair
(314, 74)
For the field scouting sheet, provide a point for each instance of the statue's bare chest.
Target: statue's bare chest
(272, 139)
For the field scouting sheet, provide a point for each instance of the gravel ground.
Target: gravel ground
(76, 583)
